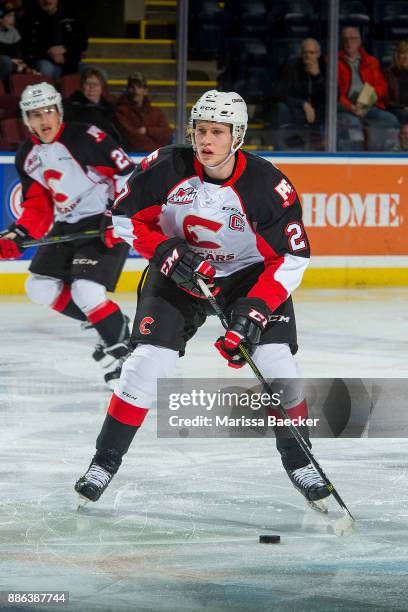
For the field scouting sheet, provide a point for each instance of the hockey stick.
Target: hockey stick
(58, 239)
(294, 430)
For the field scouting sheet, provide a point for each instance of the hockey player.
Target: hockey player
(235, 220)
(70, 174)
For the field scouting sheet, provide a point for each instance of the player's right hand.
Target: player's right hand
(178, 262)
(248, 319)
(11, 243)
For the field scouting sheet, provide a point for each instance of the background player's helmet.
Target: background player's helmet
(222, 107)
(38, 96)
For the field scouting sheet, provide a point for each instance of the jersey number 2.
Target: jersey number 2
(295, 234)
(120, 158)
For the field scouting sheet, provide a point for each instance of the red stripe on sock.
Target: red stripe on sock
(102, 311)
(63, 299)
(126, 413)
(297, 411)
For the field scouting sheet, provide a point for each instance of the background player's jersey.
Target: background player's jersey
(72, 178)
(254, 216)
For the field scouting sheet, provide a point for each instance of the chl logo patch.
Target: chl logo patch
(96, 133)
(287, 192)
(145, 163)
(143, 325)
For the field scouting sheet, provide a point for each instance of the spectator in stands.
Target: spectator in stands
(403, 138)
(89, 105)
(11, 50)
(355, 68)
(54, 39)
(301, 90)
(146, 127)
(397, 79)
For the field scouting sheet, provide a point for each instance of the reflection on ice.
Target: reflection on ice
(178, 528)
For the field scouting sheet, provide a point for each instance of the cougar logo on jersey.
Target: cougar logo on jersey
(236, 223)
(183, 196)
(258, 317)
(15, 200)
(200, 232)
(143, 325)
(169, 263)
(286, 192)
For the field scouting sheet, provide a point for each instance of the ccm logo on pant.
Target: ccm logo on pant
(88, 262)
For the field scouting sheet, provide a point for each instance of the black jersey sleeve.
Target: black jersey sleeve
(136, 212)
(106, 156)
(276, 216)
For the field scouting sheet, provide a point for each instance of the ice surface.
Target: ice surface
(178, 528)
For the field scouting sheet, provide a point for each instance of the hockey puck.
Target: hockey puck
(269, 539)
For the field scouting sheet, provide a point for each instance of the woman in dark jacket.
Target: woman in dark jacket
(88, 105)
(397, 79)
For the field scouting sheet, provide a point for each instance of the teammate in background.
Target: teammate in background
(234, 219)
(70, 174)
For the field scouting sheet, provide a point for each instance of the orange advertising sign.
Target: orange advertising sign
(353, 208)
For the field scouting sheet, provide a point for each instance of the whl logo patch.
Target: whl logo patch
(183, 196)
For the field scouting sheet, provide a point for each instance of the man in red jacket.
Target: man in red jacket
(355, 68)
(145, 126)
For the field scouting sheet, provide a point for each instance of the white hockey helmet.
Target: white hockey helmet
(222, 107)
(38, 96)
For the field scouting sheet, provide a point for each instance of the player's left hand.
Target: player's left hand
(110, 238)
(248, 319)
(11, 242)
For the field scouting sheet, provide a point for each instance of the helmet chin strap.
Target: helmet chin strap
(233, 150)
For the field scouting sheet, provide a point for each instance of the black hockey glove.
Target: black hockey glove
(11, 248)
(248, 319)
(178, 262)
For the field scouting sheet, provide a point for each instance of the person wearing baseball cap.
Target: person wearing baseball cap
(10, 42)
(145, 126)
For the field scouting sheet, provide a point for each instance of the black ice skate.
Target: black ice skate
(102, 469)
(311, 485)
(112, 373)
(101, 351)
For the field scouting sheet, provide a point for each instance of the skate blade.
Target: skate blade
(82, 502)
(106, 362)
(319, 505)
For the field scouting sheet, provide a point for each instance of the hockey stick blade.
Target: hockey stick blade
(294, 430)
